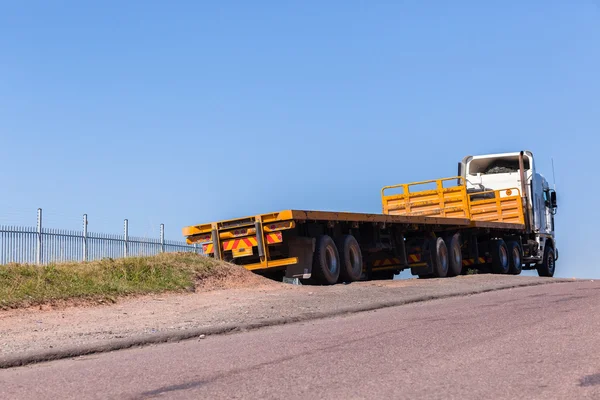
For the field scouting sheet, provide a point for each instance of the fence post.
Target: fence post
(38, 253)
(162, 238)
(125, 247)
(85, 243)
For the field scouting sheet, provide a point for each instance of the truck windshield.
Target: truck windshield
(496, 165)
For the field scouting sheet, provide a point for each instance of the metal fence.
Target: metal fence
(39, 245)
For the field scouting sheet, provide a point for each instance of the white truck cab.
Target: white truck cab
(517, 171)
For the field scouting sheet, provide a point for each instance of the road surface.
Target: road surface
(538, 342)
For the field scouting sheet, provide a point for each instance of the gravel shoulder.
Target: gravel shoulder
(51, 332)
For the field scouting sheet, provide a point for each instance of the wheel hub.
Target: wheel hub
(331, 260)
(503, 256)
(551, 263)
(354, 259)
(457, 256)
(516, 257)
(444, 258)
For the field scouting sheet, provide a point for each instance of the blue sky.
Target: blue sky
(189, 111)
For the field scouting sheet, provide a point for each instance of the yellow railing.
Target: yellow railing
(450, 202)
(454, 202)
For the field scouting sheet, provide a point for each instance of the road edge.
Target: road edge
(176, 336)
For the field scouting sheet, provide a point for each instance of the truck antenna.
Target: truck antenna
(553, 174)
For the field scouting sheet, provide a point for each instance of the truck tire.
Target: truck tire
(500, 258)
(546, 268)
(326, 261)
(455, 255)
(351, 261)
(439, 257)
(515, 258)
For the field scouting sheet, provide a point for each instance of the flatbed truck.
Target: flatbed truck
(497, 214)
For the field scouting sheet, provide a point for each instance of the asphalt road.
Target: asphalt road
(538, 342)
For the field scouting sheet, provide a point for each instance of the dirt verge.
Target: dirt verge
(102, 281)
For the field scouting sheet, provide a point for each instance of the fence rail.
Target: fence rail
(39, 245)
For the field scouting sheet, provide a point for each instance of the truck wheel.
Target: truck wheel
(455, 256)
(439, 257)
(351, 259)
(515, 258)
(546, 268)
(326, 261)
(499, 251)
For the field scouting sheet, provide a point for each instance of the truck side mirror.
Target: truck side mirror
(553, 199)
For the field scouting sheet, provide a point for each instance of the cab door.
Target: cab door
(538, 202)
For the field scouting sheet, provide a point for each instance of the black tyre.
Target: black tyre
(439, 257)
(515, 258)
(351, 261)
(500, 258)
(455, 255)
(546, 268)
(326, 261)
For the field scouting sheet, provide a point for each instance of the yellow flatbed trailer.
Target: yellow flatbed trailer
(434, 232)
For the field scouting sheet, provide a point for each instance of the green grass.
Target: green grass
(26, 285)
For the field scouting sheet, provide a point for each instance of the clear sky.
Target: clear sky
(185, 112)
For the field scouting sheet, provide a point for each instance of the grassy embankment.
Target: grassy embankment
(26, 285)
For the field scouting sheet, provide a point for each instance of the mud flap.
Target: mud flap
(426, 257)
(424, 270)
(303, 248)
